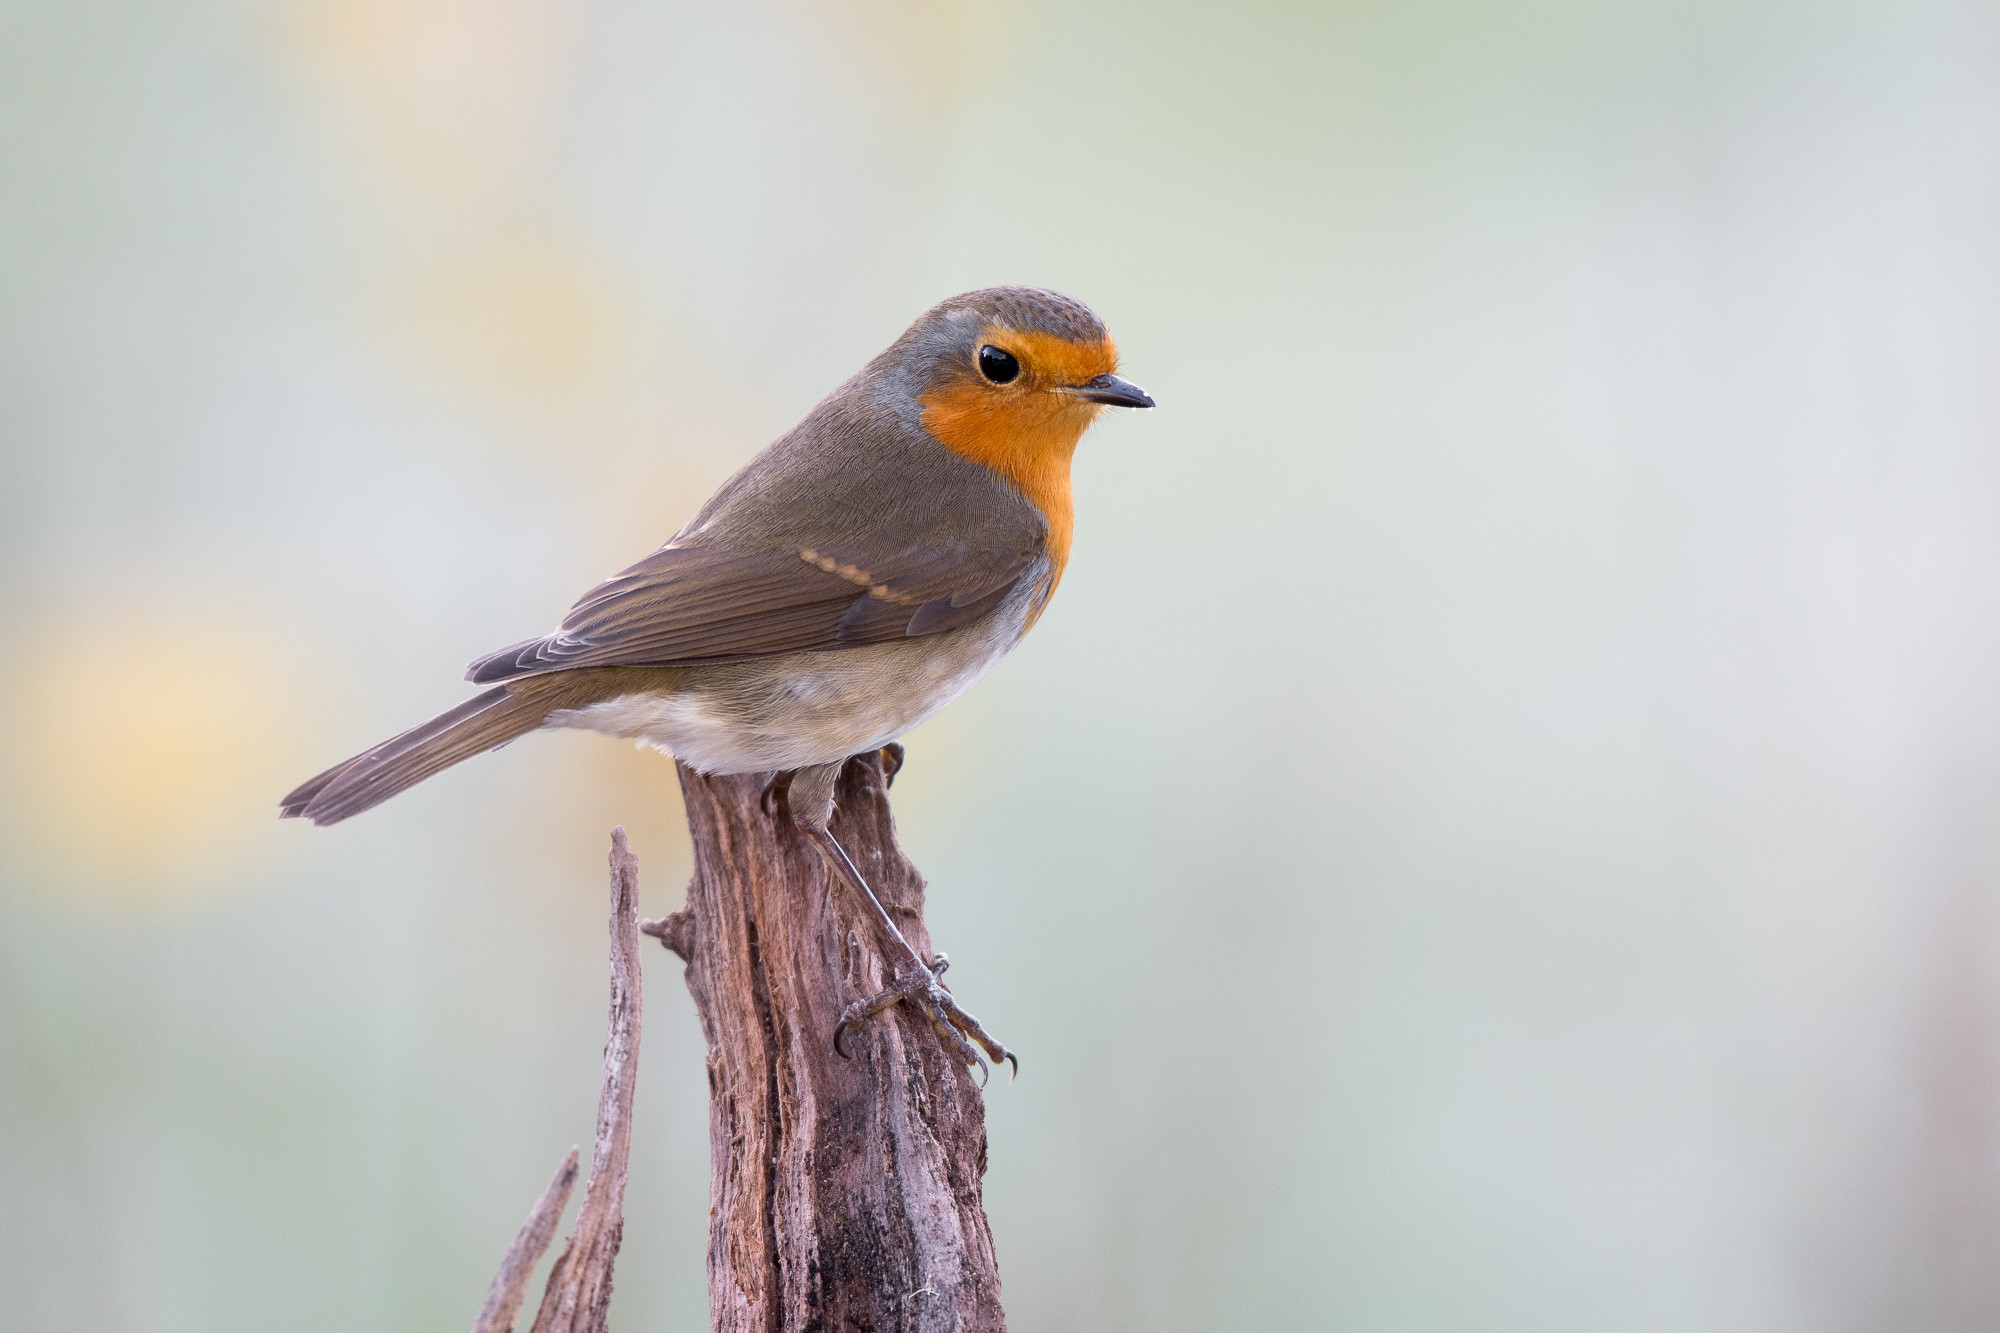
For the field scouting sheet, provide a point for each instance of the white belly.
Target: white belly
(802, 709)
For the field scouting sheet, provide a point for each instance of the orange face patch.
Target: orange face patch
(1026, 429)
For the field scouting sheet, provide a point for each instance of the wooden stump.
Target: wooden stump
(846, 1192)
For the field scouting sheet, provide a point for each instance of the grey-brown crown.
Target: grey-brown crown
(1027, 308)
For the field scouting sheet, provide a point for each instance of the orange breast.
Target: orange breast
(1025, 432)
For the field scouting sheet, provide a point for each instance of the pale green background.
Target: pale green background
(1498, 830)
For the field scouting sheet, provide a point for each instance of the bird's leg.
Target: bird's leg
(917, 983)
(913, 980)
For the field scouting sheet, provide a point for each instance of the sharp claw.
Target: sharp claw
(918, 983)
(957, 1031)
(967, 1030)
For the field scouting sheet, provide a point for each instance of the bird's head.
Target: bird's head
(1010, 376)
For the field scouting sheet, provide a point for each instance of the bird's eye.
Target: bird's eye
(998, 364)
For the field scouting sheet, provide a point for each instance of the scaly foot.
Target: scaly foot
(959, 1031)
(808, 795)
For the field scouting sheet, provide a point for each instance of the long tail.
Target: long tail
(483, 722)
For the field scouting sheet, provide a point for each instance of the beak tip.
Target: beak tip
(1113, 391)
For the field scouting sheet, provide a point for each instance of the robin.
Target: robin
(849, 582)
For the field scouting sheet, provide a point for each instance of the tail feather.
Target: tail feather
(483, 722)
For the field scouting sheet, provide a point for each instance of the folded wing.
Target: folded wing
(689, 604)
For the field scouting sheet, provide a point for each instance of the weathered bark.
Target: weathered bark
(846, 1192)
(510, 1284)
(577, 1296)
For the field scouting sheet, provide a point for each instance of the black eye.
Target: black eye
(998, 364)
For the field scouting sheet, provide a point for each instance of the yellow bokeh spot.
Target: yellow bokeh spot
(525, 315)
(139, 763)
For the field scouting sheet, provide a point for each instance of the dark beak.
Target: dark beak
(1111, 390)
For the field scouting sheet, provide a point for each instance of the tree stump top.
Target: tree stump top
(845, 1191)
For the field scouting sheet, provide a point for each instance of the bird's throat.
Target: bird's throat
(1030, 443)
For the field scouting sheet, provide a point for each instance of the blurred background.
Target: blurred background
(1497, 832)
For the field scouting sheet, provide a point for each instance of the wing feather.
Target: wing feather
(688, 604)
